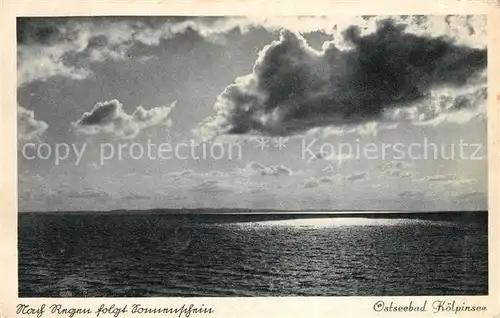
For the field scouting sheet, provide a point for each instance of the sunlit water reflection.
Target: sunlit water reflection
(161, 255)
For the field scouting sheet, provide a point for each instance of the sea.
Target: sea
(155, 254)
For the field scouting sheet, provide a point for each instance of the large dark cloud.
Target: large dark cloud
(293, 87)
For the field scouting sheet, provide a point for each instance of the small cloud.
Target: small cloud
(87, 194)
(278, 170)
(442, 178)
(210, 187)
(215, 173)
(182, 173)
(146, 58)
(28, 127)
(255, 168)
(411, 194)
(332, 156)
(186, 172)
(315, 183)
(110, 118)
(467, 182)
(397, 169)
(190, 173)
(473, 195)
(326, 180)
(329, 169)
(396, 165)
(450, 181)
(371, 128)
(41, 67)
(309, 184)
(135, 196)
(394, 173)
(94, 165)
(356, 176)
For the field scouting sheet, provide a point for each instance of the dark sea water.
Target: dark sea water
(99, 255)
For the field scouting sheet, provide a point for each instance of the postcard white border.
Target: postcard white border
(236, 307)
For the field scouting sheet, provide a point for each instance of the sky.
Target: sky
(292, 113)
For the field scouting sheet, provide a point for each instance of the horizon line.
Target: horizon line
(241, 211)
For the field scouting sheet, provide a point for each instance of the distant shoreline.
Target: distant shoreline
(227, 211)
(235, 216)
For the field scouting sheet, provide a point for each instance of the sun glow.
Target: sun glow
(337, 222)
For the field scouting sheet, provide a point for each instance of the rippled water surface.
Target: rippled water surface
(163, 255)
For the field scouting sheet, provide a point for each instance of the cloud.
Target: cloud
(315, 183)
(67, 47)
(86, 194)
(294, 88)
(326, 180)
(396, 165)
(397, 174)
(329, 169)
(473, 195)
(94, 165)
(255, 168)
(397, 169)
(42, 44)
(452, 180)
(310, 184)
(453, 184)
(210, 187)
(190, 173)
(442, 178)
(44, 67)
(333, 156)
(186, 172)
(216, 173)
(28, 127)
(444, 105)
(135, 196)
(110, 118)
(411, 194)
(372, 128)
(356, 176)
(48, 47)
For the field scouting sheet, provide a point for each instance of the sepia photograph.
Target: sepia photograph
(243, 156)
